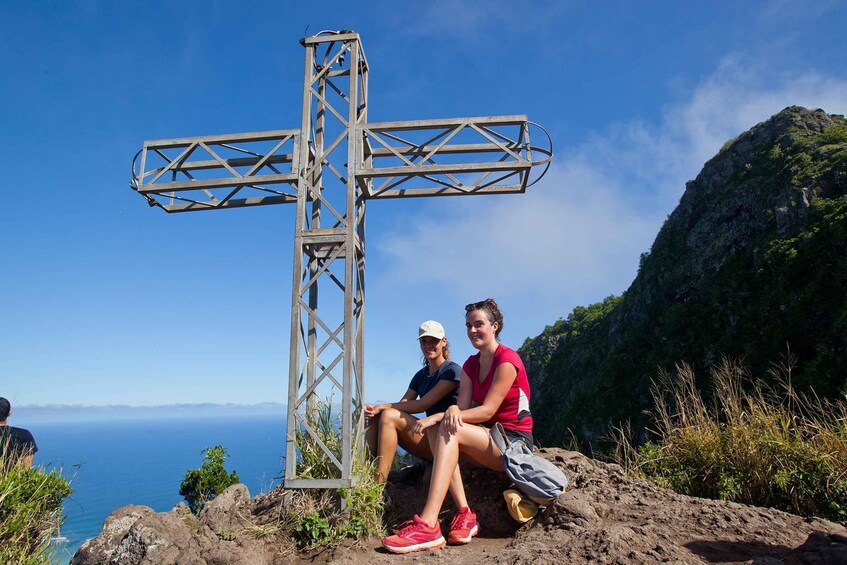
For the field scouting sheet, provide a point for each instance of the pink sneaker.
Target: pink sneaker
(463, 527)
(414, 535)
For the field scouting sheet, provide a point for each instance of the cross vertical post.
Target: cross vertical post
(329, 247)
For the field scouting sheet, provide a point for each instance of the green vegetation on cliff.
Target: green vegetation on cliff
(200, 486)
(751, 264)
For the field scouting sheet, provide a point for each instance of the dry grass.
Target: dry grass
(755, 444)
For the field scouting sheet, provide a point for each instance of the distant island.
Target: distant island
(35, 413)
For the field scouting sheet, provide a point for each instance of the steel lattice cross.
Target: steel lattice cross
(330, 168)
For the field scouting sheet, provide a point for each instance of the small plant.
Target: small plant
(30, 511)
(759, 446)
(226, 535)
(199, 486)
(313, 529)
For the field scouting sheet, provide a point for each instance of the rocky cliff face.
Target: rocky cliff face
(752, 263)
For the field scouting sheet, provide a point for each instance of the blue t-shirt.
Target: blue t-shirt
(423, 382)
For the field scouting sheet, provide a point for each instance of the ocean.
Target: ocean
(142, 460)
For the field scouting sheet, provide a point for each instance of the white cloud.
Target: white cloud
(569, 233)
(577, 236)
(739, 95)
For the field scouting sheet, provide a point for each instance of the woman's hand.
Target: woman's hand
(453, 419)
(372, 410)
(369, 410)
(424, 423)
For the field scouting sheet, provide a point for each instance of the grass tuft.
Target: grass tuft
(30, 510)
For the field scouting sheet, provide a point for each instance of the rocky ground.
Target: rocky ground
(605, 516)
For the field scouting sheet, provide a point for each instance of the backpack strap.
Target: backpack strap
(499, 437)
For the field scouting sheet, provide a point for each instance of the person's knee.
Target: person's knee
(434, 431)
(441, 434)
(390, 417)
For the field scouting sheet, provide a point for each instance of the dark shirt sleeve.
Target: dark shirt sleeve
(29, 442)
(451, 373)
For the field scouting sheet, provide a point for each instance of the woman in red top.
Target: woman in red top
(494, 388)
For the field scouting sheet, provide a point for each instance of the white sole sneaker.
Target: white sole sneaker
(434, 544)
(462, 541)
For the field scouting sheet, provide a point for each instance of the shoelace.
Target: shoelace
(461, 521)
(405, 527)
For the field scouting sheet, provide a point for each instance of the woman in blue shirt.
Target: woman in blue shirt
(432, 390)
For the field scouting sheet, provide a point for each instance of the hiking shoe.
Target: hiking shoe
(414, 535)
(463, 527)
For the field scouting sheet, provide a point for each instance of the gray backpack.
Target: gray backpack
(535, 477)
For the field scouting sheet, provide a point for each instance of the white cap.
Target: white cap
(431, 328)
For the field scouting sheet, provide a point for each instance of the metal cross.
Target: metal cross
(330, 167)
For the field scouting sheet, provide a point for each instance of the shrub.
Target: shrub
(761, 446)
(199, 486)
(30, 511)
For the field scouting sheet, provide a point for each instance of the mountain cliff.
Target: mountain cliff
(751, 264)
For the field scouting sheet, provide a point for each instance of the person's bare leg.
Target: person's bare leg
(457, 487)
(372, 436)
(469, 438)
(389, 420)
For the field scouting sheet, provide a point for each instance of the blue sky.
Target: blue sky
(106, 301)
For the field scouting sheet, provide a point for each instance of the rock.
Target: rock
(165, 538)
(135, 535)
(227, 511)
(101, 550)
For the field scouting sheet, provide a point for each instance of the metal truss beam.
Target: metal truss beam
(216, 172)
(452, 157)
(327, 349)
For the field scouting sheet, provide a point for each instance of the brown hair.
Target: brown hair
(492, 311)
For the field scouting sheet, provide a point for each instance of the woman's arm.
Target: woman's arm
(504, 375)
(410, 405)
(453, 412)
(465, 392)
(372, 410)
(430, 399)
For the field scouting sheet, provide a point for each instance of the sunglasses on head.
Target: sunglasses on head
(475, 305)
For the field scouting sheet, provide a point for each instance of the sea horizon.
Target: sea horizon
(31, 414)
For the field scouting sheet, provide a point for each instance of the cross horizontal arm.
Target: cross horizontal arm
(446, 157)
(233, 203)
(214, 172)
(223, 138)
